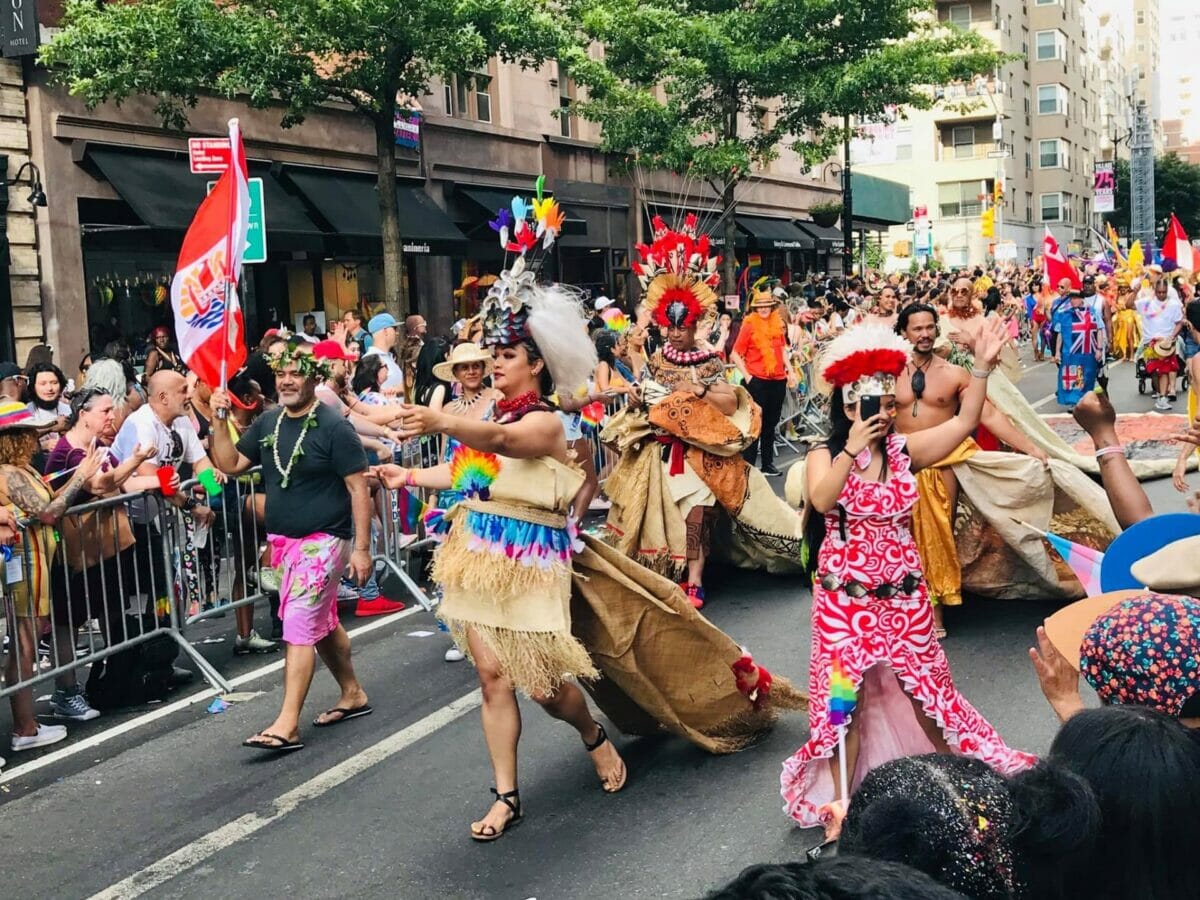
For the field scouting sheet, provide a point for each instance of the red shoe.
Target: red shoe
(695, 594)
(380, 606)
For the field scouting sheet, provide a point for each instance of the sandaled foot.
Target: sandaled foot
(504, 814)
(939, 633)
(341, 714)
(273, 743)
(609, 765)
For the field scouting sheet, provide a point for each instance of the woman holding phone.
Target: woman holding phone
(872, 623)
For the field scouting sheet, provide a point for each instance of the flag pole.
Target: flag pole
(842, 763)
(234, 159)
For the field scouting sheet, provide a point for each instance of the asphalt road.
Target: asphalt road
(163, 802)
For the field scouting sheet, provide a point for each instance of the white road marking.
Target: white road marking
(1040, 403)
(209, 845)
(161, 712)
(1036, 366)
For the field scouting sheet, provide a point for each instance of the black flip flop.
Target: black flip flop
(284, 745)
(346, 715)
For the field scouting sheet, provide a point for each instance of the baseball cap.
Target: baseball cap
(1134, 647)
(382, 321)
(601, 303)
(332, 350)
(10, 370)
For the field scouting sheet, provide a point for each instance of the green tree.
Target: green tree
(1176, 187)
(715, 88)
(295, 55)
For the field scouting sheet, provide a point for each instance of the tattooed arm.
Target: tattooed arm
(25, 497)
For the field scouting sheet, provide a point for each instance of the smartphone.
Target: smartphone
(868, 407)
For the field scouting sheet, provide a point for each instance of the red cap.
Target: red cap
(332, 350)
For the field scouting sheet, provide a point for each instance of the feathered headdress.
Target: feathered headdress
(865, 361)
(518, 308)
(677, 274)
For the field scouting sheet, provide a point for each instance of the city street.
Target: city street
(163, 802)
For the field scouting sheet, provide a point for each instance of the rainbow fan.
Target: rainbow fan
(592, 414)
(842, 699)
(472, 471)
(615, 320)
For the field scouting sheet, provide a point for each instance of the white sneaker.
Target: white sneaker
(46, 735)
(345, 593)
(1162, 404)
(454, 655)
(253, 643)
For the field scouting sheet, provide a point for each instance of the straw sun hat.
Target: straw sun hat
(460, 355)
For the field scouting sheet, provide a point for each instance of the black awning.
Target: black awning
(492, 199)
(163, 193)
(350, 205)
(769, 233)
(828, 238)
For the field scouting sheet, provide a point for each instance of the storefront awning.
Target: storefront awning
(163, 193)
(350, 206)
(492, 199)
(828, 239)
(769, 233)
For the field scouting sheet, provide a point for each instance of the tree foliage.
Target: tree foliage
(1176, 188)
(717, 87)
(294, 55)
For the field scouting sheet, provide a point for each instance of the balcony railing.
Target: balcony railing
(964, 152)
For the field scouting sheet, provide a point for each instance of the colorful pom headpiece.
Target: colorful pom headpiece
(678, 275)
(865, 361)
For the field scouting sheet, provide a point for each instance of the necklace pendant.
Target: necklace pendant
(914, 412)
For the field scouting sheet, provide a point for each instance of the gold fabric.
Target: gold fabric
(933, 528)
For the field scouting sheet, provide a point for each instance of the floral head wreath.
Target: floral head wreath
(678, 275)
(865, 362)
(306, 364)
(522, 227)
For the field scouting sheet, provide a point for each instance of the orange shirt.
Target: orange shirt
(760, 344)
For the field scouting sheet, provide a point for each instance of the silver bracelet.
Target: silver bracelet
(981, 373)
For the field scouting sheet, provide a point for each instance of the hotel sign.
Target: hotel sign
(18, 27)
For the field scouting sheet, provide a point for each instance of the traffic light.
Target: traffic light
(987, 222)
(998, 192)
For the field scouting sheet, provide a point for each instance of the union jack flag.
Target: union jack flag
(1082, 331)
(1072, 378)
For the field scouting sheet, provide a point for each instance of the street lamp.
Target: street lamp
(981, 89)
(37, 196)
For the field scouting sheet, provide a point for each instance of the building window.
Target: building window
(960, 16)
(1052, 100)
(963, 138)
(1028, 207)
(959, 199)
(1052, 207)
(481, 83)
(1052, 154)
(566, 94)
(1141, 17)
(904, 150)
(1046, 3)
(1051, 45)
(469, 96)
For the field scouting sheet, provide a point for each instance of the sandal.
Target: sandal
(596, 745)
(939, 633)
(491, 834)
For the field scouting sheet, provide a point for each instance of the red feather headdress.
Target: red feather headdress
(865, 361)
(677, 274)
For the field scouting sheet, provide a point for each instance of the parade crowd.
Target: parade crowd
(497, 425)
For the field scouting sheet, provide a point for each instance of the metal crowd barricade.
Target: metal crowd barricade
(111, 574)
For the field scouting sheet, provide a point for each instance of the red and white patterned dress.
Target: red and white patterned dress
(879, 641)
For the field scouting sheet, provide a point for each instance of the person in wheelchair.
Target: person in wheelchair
(1162, 320)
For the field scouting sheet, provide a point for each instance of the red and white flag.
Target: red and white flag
(208, 318)
(1057, 266)
(1177, 246)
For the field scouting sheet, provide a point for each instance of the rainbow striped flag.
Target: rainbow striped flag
(410, 509)
(1084, 562)
(842, 699)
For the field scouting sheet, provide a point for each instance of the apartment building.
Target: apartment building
(1032, 126)
(1107, 48)
(1180, 78)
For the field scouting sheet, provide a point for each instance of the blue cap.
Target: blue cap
(382, 321)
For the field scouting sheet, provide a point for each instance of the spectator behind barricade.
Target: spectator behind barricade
(371, 423)
(1144, 768)
(385, 334)
(410, 349)
(353, 321)
(612, 376)
(760, 354)
(162, 357)
(428, 389)
(838, 878)
(109, 375)
(27, 496)
(48, 410)
(85, 363)
(84, 586)
(12, 382)
(163, 423)
(974, 831)
(308, 330)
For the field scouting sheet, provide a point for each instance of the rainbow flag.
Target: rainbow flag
(592, 415)
(410, 509)
(842, 699)
(1084, 561)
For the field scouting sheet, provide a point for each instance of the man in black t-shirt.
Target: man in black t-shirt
(318, 505)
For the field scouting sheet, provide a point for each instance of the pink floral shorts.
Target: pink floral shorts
(310, 569)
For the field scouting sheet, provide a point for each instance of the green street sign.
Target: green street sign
(256, 233)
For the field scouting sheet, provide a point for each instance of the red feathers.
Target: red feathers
(863, 363)
(674, 295)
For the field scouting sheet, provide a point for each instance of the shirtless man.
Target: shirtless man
(932, 400)
(965, 315)
(885, 307)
